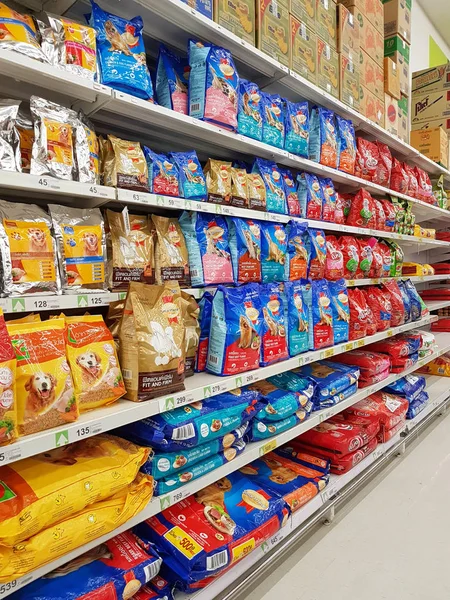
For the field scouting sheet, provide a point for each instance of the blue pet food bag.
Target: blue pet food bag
(316, 244)
(235, 335)
(204, 7)
(273, 119)
(275, 194)
(297, 128)
(298, 258)
(329, 199)
(250, 110)
(121, 53)
(163, 174)
(245, 247)
(172, 80)
(341, 310)
(323, 147)
(293, 382)
(417, 405)
(306, 285)
(409, 386)
(297, 318)
(330, 378)
(274, 340)
(321, 335)
(346, 145)
(280, 403)
(310, 195)
(406, 301)
(273, 252)
(261, 430)
(192, 182)
(213, 85)
(320, 403)
(290, 190)
(415, 300)
(204, 319)
(206, 238)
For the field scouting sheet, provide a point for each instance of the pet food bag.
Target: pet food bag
(192, 182)
(121, 53)
(213, 85)
(273, 181)
(93, 361)
(273, 120)
(367, 379)
(349, 247)
(28, 250)
(208, 248)
(365, 256)
(256, 192)
(10, 151)
(250, 111)
(245, 246)
(385, 252)
(323, 144)
(8, 400)
(425, 191)
(417, 405)
(152, 341)
(274, 246)
(261, 430)
(293, 382)
(329, 200)
(367, 157)
(205, 305)
(341, 310)
(414, 298)
(280, 403)
(131, 250)
(339, 216)
(334, 266)
(20, 34)
(297, 128)
(399, 177)
(409, 386)
(346, 145)
(362, 211)
(343, 464)
(218, 181)
(310, 195)
(124, 165)
(171, 253)
(371, 319)
(274, 335)
(44, 387)
(172, 80)
(391, 288)
(25, 129)
(406, 301)
(413, 186)
(399, 346)
(321, 329)
(358, 314)
(316, 245)
(86, 151)
(239, 187)
(297, 320)
(163, 174)
(381, 307)
(385, 408)
(380, 217)
(297, 251)
(369, 363)
(236, 329)
(81, 244)
(191, 332)
(384, 167)
(330, 378)
(376, 270)
(290, 189)
(389, 213)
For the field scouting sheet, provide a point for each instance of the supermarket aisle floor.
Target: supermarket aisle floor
(391, 542)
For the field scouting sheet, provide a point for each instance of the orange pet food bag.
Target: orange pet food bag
(8, 408)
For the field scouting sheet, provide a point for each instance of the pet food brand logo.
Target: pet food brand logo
(6, 492)
(20, 348)
(170, 309)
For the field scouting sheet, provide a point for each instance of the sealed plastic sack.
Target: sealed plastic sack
(256, 192)
(245, 246)
(250, 111)
(339, 217)
(10, 139)
(239, 188)
(323, 144)
(262, 430)
(389, 213)
(384, 167)
(25, 129)
(279, 403)
(293, 382)
(297, 128)
(297, 318)
(204, 319)
(334, 267)
(236, 329)
(365, 256)
(349, 247)
(425, 191)
(396, 298)
(341, 310)
(330, 378)
(372, 325)
(171, 253)
(417, 405)
(376, 269)
(385, 252)
(371, 363)
(317, 252)
(409, 386)
(358, 314)
(367, 379)
(163, 175)
(86, 151)
(218, 181)
(401, 364)
(172, 79)
(439, 366)
(398, 347)
(397, 255)
(415, 300)
(273, 119)
(413, 186)
(346, 145)
(310, 196)
(290, 189)
(329, 200)
(297, 251)
(213, 85)
(8, 400)
(321, 330)
(380, 217)
(273, 181)
(406, 301)
(19, 34)
(362, 211)
(192, 183)
(386, 408)
(125, 165)
(367, 157)
(273, 335)
(343, 464)
(380, 304)
(399, 177)
(274, 245)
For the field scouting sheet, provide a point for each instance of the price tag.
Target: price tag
(348, 347)
(308, 359)
(9, 455)
(97, 300)
(328, 493)
(212, 390)
(44, 303)
(360, 343)
(7, 588)
(269, 447)
(377, 453)
(165, 502)
(327, 353)
(218, 209)
(250, 378)
(172, 402)
(43, 182)
(390, 333)
(351, 282)
(79, 433)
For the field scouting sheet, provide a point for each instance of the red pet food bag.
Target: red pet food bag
(335, 261)
(346, 200)
(369, 363)
(413, 185)
(358, 314)
(316, 243)
(371, 321)
(371, 379)
(365, 257)
(384, 170)
(339, 216)
(384, 435)
(386, 408)
(367, 156)
(380, 217)
(399, 178)
(387, 258)
(389, 214)
(381, 307)
(425, 191)
(362, 211)
(350, 254)
(391, 288)
(376, 270)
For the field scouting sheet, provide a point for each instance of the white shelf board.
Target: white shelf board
(437, 304)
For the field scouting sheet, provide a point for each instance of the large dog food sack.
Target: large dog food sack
(213, 85)
(204, 319)
(297, 323)
(8, 401)
(362, 211)
(297, 128)
(245, 245)
(391, 288)
(171, 253)
(311, 196)
(191, 312)
(274, 337)
(192, 182)
(359, 314)
(341, 310)
(409, 386)
(263, 429)
(280, 403)
(163, 175)
(273, 181)
(273, 119)
(44, 387)
(73, 477)
(124, 165)
(381, 307)
(323, 144)
(208, 248)
(346, 145)
(152, 341)
(236, 330)
(297, 251)
(329, 378)
(385, 408)
(172, 77)
(417, 405)
(93, 362)
(334, 266)
(321, 332)
(316, 244)
(349, 247)
(274, 246)
(250, 111)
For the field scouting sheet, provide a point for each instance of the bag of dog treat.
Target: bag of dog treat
(256, 192)
(250, 112)
(236, 329)
(245, 245)
(297, 251)
(121, 53)
(323, 145)
(20, 34)
(384, 167)
(358, 314)
(396, 299)
(172, 79)
(381, 307)
(372, 325)
(310, 195)
(213, 85)
(290, 189)
(171, 253)
(297, 318)
(367, 157)
(239, 188)
(8, 401)
(192, 183)
(218, 181)
(274, 337)
(81, 244)
(273, 119)
(86, 151)
(329, 200)
(204, 318)
(346, 145)
(334, 266)
(273, 181)
(125, 165)
(362, 211)
(341, 310)
(192, 332)
(163, 174)
(28, 251)
(209, 253)
(25, 129)
(10, 151)
(349, 247)
(297, 128)
(274, 247)
(321, 334)
(316, 244)
(399, 177)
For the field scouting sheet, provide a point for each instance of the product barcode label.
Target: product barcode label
(127, 373)
(195, 107)
(185, 432)
(217, 560)
(151, 570)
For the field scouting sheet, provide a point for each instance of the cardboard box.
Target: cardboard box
(431, 80)
(371, 106)
(372, 9)
(399, 50)
(238, 16)
(304, 11)
(326, 21)
(327, 68)
(391, 115)
(349, 82)
(272, 29)
(348, 33)
(430, 107)
(370, 40)
(371, 75)
(404, 125)
(397, 18)
(303, 59)
(444, 122)
(205, 7)
(391, 78)
(432, 143)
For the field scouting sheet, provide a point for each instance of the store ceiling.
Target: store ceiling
(439, 14)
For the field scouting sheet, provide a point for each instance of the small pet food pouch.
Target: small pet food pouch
(218, 181)
(239, 187)
(81, 244)
(316, 244)
(349, 247)
(399, 177)
(323, 145)
(245, 246)
(329, 200)
(274, 247)
(273, 181)
(250, 113)
(10, 139)
(341, 310)
(310, 195)
(274, 337)
(297, 128)
(86, 151)
(191, 332)
(121, 53)
(297, 320)
(256, 192)
(171, 253)
(346, 145)
(213, 85)
(290, 189)
(8, 400)
(397, 255)
(367, 157)
(25, 129)
(415, 300)
(396, 299)
(321, 334)
(28, 250)
(384, 167)
(44, 387)
(192, 182)
(236, 329)
(380, 304)
(273, 119)
(362, 211)
(334, 267)
(172, 80)
(163, 174)
(204, 318)
(125, 165)
(93, 361)
(209, 253)
(358, 314)
(20, 34)
(297, 250)
(131, 251)
(371, 319)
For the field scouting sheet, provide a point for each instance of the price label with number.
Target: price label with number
(7, 588)
(268, 447)
(348, 347)
(97, 300)
(360, 343)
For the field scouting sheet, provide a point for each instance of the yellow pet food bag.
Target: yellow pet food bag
(93, 361)
(8, 406)
(18, 33)
(54, 485)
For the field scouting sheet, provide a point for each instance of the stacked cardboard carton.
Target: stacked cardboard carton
(348, 47)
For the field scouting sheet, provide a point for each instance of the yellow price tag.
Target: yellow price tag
(390, 333)
(348, 347)
(329, 352)
(268, 447)
(360, 343)
(351, 282)
(183, 542)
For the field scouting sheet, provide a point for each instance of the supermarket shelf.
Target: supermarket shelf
(413, 278)
(252, 452)
(437, 304)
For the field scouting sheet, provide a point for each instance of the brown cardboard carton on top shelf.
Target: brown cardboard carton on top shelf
(349, 82)
(326, 21)
(272, 29)
(303, 44)
(391, 78)
(399, 50)
(431, 80)
(430, 107)
(327, 68)
(444, 122)
(391, 115)
(371, 75)
(372, 9)
(304, 11)
(238, 16)
(348, 33)
(432, 143)
(370, 40)
(371, 106)
(404, 125)
(397, 18)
